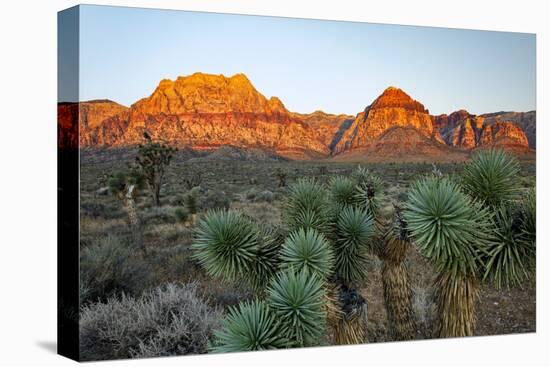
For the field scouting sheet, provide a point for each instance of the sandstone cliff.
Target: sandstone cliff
(464, 130)
(393, 108)
(205, 112)
(208, 111)
(527, 121)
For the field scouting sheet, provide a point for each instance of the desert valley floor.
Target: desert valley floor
(228, 178)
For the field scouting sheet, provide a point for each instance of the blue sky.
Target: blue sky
(338, 67)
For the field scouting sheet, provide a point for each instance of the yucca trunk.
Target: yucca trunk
(346, 315)
(133, 218)
(352, 329)
(397, 288)
(456, 297)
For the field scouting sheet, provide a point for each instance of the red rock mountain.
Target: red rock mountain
(527, 121)
(464, 130)
(392, 109)
(208, 111)
(204, 112)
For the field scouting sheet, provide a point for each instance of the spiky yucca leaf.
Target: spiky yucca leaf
(491, 176)
(342, 190)
(266, 262)
(307, 206)
(369, 192)
(225, 244)
(298, 300)
(251, 326)
(308, 249)
(509, 258)
(529, 218)
(360, 174)
(449, 227)
(353, 231)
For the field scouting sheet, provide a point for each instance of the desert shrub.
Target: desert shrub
(167, 321)
(108, 268)
(181, 214)
(96, 209)
(265, 195)
(159, 215)
(212, 199)
(251, 194)
(190, 200)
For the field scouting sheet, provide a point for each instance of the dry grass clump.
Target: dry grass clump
(167, 321)
(109, 267)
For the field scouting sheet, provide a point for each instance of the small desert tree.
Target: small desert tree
(125, 185)
(152, 160)
(491, 177)
(451, 230)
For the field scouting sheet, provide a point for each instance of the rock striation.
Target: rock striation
(204, 112)
(393, 108)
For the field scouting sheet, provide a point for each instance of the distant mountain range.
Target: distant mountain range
(205, 112)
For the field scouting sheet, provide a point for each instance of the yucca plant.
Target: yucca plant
(369, 193)
(450, 229)
(250, 326)
(353, 231)
(308, 249)
(491, 177)
(396, 280)
(351, 325)
(528, 222)
(342, 190)
(226, 244)
(510, 257)
(307, 206)
(297, 298)
(267, 259)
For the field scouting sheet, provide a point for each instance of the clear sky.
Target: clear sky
(338, 67)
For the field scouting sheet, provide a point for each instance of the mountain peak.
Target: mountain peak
(207, 93)
(394, 97)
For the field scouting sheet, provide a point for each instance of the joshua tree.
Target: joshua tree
(450, 229)
(281, 176)
(311, 273)
(152, 160)
(351, 233)
(190, 202)
(396, 281)
(491, 177)
(194, 180)
(125, 186)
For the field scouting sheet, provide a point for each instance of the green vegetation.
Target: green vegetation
(281, 267)
(151, 161)
(251, 326)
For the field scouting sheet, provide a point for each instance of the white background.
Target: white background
(28, 181)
